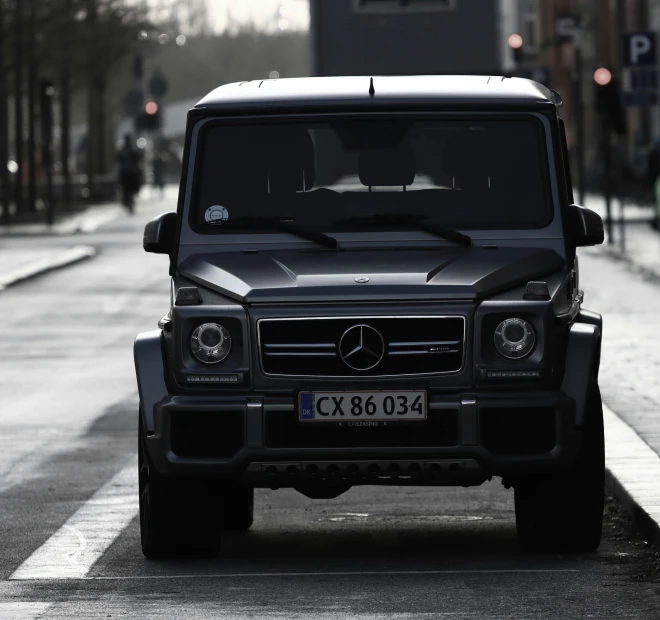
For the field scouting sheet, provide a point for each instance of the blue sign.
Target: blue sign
(640, 79)
(306, 406)
(640, 49)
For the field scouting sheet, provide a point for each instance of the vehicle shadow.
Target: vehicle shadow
(367, 530)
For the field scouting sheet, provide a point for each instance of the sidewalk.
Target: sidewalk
(83, 221)
(29, 250)
(634, 242)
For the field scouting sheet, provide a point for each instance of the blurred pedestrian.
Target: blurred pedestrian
(128, 160)
(159, 162)
(653, 169)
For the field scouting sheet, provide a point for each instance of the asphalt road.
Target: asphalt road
(68, 423)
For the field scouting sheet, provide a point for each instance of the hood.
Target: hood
(393, 275)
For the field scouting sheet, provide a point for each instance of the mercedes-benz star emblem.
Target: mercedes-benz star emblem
(362, 279)
(361, 347)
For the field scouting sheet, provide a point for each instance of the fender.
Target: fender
(590, 318)
(150, 372)
(582, 362)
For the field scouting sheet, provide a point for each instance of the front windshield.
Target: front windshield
(332, 176)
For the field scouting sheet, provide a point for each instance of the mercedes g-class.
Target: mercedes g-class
(374, 281)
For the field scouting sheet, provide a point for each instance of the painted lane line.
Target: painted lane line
(633, 471)
(368, 573)
(71, 552)
(56, 260)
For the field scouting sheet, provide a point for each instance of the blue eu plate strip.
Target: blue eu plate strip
(307, 406)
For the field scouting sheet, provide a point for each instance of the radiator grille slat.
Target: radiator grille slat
(413, 345)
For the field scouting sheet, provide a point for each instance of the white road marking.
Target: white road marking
(633, 464)
(72, 551)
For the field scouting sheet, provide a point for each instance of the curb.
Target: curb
(87, 221)
(55, 261)
(647, 273)
(633, 474)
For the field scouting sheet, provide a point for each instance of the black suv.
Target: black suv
(374, 281)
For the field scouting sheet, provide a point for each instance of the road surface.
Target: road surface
(69, 536)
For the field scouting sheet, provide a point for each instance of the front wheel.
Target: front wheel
(564, 512)
(177, 516)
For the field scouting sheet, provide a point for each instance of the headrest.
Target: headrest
(468, 152)
(234, 163)
(289, 153)
(387, 167)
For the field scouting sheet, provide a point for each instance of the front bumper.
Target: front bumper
(467, 439)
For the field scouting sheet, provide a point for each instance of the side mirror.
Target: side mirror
(159, 234)
(585, 226)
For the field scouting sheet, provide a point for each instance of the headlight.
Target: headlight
(514, 338)
(210, 343)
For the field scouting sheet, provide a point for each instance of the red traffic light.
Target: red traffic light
(602, 76)
(515, 41)
(151, 108)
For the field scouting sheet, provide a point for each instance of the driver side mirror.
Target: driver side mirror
(585, 226)
(159, 234)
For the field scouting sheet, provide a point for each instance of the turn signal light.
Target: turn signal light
(501, 374)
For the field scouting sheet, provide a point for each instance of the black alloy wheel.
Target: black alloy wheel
(178, 516)
(564, 512)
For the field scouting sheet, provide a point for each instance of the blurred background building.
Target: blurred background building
(79, 74)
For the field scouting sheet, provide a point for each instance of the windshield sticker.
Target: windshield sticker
(216, 215)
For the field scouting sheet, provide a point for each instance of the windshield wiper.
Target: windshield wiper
(283, 224)
(417, 221)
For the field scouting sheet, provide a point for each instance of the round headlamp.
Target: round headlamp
(514, 338)
(210, 343)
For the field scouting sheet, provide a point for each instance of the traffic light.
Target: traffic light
(516, 43)
(138, 66)
(150, 118)
(608, 100)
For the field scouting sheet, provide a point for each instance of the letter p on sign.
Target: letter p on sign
(639, 49)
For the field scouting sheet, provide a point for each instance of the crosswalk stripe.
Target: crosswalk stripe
(71, 552)
(634, 470)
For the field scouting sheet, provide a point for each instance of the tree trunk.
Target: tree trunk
(32, 119)
(65, 111)
(18, 101)
(101, 126)
(91, 104)
(4, 121)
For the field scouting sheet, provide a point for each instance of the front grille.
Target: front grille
(283, 430)
(314, 348)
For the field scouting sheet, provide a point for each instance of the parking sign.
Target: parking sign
(639, 49)
(640, 69)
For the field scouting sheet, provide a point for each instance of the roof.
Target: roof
(449, 90)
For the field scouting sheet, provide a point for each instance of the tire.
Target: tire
(564, 512)
(238, 502)
(178, 517)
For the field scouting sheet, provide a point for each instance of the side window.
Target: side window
(566, 162)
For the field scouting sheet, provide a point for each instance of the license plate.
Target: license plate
(349, 406)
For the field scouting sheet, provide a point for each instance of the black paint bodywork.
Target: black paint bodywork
(247, 429)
